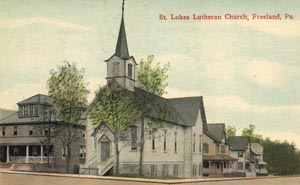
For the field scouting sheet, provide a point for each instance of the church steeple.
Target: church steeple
(121, 66)
(122, 47)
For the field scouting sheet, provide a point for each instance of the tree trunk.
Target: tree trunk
(142, 138)
(68, 157)
(117, 154)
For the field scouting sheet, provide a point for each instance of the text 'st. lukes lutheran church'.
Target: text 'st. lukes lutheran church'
(172, 152)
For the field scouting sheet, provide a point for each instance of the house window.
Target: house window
(240, 166)
(205, 164)
(21, 111)
(15, 130)
(31, 130)
(95, 142)
(35, 150)
(130, 70)
(46, 131)
(134, 138)
(218, 148)
(175, 170)
(16, 151)
(3, 131)
(165, 141)
(30, 110)
(165, 170)
(153, 142)
(64, 152)
(35, 109)
(218, 165)
(152, 170)
(48, 150)
(200, 143)
(223, 150)
(83, 133)
(175, 142)
(205, 148)
(240, 154)
(82, 151)
(25, 111)
(194, 143)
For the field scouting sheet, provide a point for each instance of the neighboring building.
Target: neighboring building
(175, 151)
(24, 138)
(240, 148)
(261, 165)
(216, 159)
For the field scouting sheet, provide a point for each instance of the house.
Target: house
(174, 151)
(261, 165)
(216, 159)
(240, 148)
(27, 142)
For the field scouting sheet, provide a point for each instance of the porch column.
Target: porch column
(7, 154)
(27, 154)
(42, 154)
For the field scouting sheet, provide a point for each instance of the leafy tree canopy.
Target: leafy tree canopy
(114, 107)
(230, 131)
(69, 92)
(152, 78)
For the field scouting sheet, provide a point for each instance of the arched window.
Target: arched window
(130, 70)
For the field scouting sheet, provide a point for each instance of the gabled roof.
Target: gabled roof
(217, 129)
(238, 143)
(180, 111)
(38, 98)
(188, 108)
(257, 148)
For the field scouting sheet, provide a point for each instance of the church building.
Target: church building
(175, 151)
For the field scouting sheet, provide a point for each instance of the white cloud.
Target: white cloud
(17, 23)
(270, 73)
(263, 72)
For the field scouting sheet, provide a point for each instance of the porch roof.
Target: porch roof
(21, 140)
(218, 157)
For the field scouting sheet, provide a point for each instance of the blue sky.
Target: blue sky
(247, 71)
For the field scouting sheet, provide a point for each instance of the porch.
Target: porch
(26, 154)
(217, 165)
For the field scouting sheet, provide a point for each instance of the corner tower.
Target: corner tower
(121, 66)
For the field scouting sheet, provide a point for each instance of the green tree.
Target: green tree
(151, 78)
(249, 132)
(282, 157)
(68, 90)
(114, 107)
(230, 131)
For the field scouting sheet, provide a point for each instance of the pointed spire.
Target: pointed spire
(122, 48)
